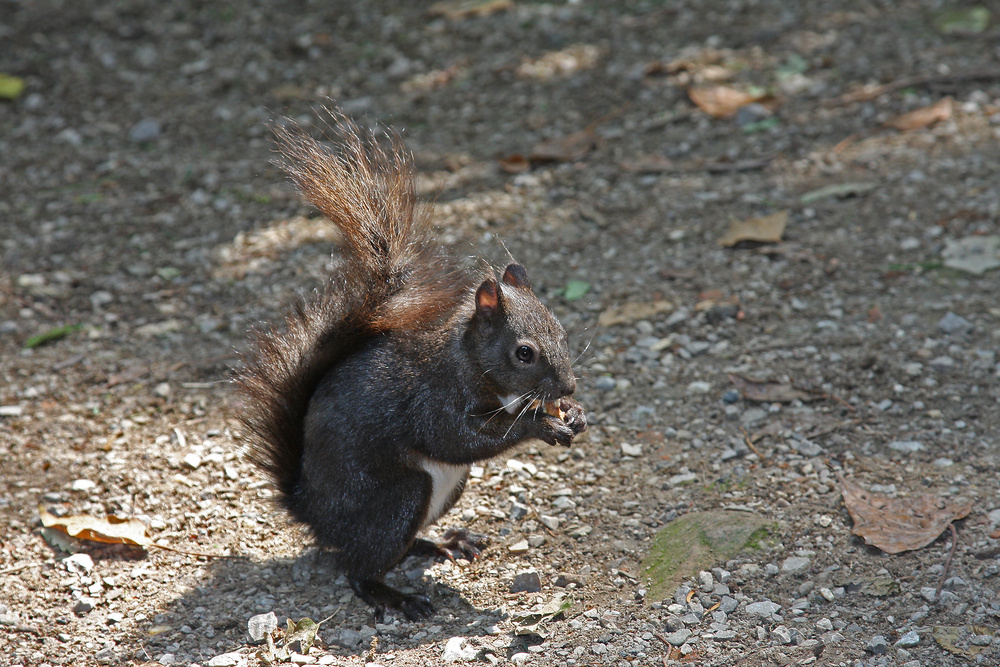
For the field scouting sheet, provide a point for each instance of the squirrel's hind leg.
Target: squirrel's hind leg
(381, 597)
(457, 543)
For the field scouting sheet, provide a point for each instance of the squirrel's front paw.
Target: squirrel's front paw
(571, 421)
(573, 415)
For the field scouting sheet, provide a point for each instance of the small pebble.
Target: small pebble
(678, 637)
(145, 130)
(699, 387)
(954, 324)
(795, 565)
(458, 649)
(877, 645)
(259, 626)
(763, 608)
(631, 450)
(526, 582)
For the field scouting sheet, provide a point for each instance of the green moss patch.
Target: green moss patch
(697, 541)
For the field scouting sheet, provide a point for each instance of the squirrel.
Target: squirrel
(368, 405)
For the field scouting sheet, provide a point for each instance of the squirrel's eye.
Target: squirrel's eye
(525, 354)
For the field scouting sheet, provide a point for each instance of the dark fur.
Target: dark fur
(398, 358)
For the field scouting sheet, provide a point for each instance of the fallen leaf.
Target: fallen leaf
(454, 10)
(770, 392)
(565, 149)
(532, 623)
(11, 87)
(300, 637)
(514, 164)
(970, 21)
(721, 101)
(560, 63)
(921, 118)
(948, 638)
(576, 289)
(839, 190)
(895, 525)
(633, 311)
(111, 530)
(51, 335)
(649, 164)
(767, 229)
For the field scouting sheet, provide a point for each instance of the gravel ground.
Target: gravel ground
(138, 207)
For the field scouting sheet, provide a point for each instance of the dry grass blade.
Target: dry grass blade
(770, 392)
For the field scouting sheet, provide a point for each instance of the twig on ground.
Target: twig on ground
(871, 92)
(947, 563)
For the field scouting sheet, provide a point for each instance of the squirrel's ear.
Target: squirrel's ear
(516, 276)
(487, 298)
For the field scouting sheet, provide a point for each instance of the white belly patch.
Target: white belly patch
(446, 481)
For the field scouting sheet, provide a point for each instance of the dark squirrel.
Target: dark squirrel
(368, 405)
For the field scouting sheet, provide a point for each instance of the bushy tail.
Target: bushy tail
(392, 276)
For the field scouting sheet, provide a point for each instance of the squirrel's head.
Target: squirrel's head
(519, 344)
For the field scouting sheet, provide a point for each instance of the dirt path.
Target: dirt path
(139, 208)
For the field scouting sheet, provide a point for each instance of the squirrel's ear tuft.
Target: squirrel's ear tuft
(516, 276)
(487, 298)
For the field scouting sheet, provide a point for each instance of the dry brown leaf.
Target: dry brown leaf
(633, 311)
(770, 392)
(767, 229)
(454, 10)
(921, 118)
(899, 524)
(649, 164)
(565, 149)
(720, 101)
(111, 530)
(514, 164)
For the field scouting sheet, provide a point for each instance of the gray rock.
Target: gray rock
(911, 638)
(942, 363)
(145, 130)
(605, 383)
(728, 604)
(753, 415)
(631, 450)
(877, 645)
(84, 605)
(763, 608)
(259, 626)
(706, 582)
(349, 638)
(907, 446)
(457, 649)
(673, 622)
(955, 324)
(795, 565)
(79, 563)
(224, 660)
(526, 582)
(782, 634)
(724, 635)
(806, 447)
(518, 511)
(678, 637)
